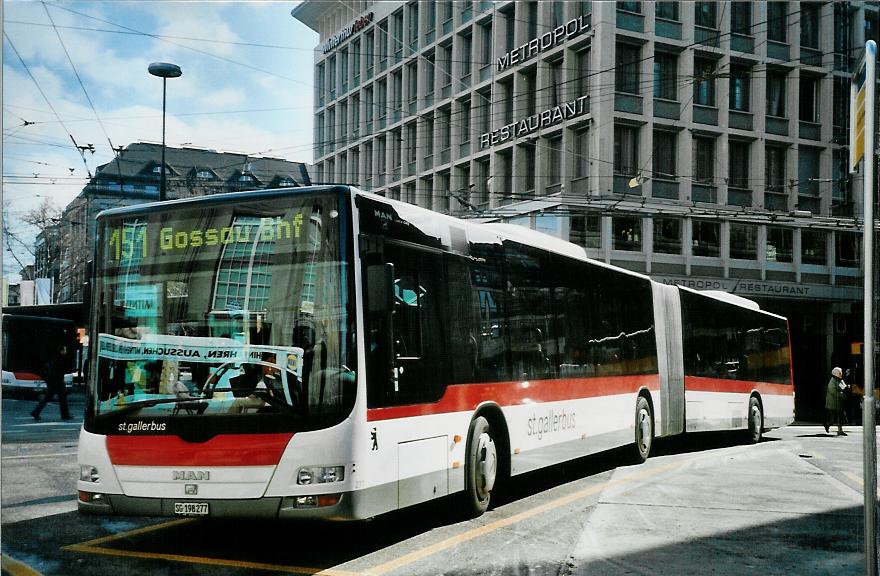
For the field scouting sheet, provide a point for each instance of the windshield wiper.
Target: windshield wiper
(128, 407)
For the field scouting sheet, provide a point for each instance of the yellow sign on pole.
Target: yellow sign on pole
(858, 145)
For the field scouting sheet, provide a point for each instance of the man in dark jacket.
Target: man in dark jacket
(53, 374)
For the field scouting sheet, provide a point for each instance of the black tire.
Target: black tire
(756, 421)
(644, 430)
(481, 467)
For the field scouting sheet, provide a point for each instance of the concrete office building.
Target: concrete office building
(702, 143)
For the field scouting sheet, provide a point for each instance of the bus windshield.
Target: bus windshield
(224, 317)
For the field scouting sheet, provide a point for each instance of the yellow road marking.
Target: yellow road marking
(13, 567)
(205, 561)
(93, 547)
(135, 532)
(855, 478)
(482, 530)
(28, 456)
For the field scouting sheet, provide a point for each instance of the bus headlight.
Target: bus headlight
(89, 474)
(320, 474)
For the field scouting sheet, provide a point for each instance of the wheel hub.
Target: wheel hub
(487, 464)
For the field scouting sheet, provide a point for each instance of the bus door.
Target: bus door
(407, 329)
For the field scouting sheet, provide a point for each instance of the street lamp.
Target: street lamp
(163, 70)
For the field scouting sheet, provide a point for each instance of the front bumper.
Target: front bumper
(275, 507)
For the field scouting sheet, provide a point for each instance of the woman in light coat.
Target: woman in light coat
(833, 392)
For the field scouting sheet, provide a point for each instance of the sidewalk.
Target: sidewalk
(813, 524)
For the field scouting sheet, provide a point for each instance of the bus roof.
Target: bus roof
(224, 198)
(733, 299)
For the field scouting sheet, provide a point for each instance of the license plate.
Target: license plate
(191, 508)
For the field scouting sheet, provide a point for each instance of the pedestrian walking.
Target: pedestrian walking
(53, 374)
(834, 394)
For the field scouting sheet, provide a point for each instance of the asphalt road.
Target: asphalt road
(704, 504)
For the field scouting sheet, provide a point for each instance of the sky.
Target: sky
(247, 87)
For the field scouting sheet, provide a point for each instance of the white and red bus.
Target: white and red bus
(323, 352)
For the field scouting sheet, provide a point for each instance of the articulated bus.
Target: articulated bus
(323, 352)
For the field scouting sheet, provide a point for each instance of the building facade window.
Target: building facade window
(808, 111)
(585, 230)
(704, 81)
(774, 169)
(741, 18)
(429, 70)
(411, 143)
(412, 28)
(667, 235)
(626, 78)
(846, 253)
(528, 153)
(704, 160)
(814, 247)
(508, 16)
(581, 153)
(740, 88)
(626, 233)
(486, 44)
(663, 155)
(779, 244)
(705, 14)
(810, 24)
(665, 76)
(739, 165)
(466, 49)
(775, 93)
(809, 160)
(630, 7)
(706, 238)
(743, 241)
(582, 60)
(528, 90)
(554, 160)
(777, 21)
(626, 148)
(840, 109)
(666, 10)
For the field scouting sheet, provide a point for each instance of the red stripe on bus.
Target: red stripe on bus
(27, 376)
(701, 384)
(222, 450)
(466, 397)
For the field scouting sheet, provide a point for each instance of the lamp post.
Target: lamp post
(163, 70)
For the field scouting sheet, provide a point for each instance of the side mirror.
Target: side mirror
(380, 288)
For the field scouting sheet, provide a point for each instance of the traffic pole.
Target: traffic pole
(869, 437)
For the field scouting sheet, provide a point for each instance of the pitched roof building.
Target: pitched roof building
(134, 178)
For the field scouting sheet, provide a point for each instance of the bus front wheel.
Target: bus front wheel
(644, 433)
(481, 467)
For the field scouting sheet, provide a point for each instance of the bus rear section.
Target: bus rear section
(728, 364)
(223, 359)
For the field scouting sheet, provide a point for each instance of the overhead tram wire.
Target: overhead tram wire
(81, 85)
(46, 98)
(163, 39)
(165, 36)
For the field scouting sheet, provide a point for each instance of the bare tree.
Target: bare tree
(43, 216)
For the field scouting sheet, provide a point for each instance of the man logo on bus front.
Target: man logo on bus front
(190, 475)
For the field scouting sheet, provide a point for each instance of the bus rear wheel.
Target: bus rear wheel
(756, 421)
(644, 433)
(481, 467)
